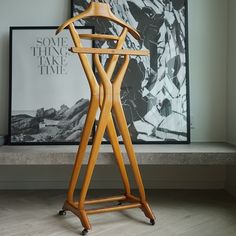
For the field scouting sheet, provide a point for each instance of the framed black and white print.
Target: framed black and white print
(155, 91)
(49, 93)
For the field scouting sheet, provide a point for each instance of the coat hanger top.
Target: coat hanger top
(98, 9)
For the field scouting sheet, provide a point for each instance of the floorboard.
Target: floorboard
(179, 212)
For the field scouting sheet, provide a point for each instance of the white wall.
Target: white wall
(208, 42)
(231, 98)
(207, 60)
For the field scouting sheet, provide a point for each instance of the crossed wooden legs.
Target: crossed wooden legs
(107, 99)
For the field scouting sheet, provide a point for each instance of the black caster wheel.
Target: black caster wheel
(152, 222)
(84, 232)
(62, 213)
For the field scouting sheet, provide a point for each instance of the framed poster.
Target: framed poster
(49, 93)
(155, 91)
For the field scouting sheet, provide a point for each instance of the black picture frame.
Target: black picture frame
(148, 19)
(45, 126)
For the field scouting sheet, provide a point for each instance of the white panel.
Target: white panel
(208, 68)
(231, 99)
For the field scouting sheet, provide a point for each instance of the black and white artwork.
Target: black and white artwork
(49, 93)
(155, 89)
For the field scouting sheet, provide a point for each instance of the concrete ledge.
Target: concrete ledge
(187, 154)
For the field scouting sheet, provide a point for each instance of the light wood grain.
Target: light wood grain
(111, 51)
(180, 213)
(98, 36)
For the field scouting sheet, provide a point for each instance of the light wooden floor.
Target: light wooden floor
(185, 213)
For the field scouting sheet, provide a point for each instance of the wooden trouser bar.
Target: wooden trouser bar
(135, 202)
(108, 199)
(128, 198)
(106, 96)
(117, 208)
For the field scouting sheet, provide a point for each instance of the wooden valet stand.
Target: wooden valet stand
(106, 96)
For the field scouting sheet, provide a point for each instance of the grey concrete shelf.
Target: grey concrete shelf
(187, 154)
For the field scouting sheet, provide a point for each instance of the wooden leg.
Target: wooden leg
(93, 107)
(123, 127)
(115, 145)
(80, 213)
(129, 147)
(119, 113)
(91, 116)
(118, 155)
(102, 123)
(93, 155)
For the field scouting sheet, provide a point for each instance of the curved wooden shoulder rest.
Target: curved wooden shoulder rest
(97, 9)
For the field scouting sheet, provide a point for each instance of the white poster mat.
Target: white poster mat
(44, 73)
